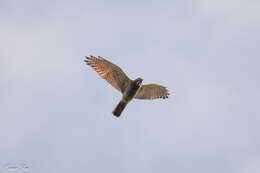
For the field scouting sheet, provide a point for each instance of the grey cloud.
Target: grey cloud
(56, 112)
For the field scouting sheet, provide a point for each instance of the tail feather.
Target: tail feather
(119, 108)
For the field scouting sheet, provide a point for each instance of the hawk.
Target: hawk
(129, 88)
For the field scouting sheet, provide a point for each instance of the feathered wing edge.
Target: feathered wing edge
(152, 91)
(113, 74)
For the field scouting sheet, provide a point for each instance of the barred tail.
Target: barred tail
(119, 108)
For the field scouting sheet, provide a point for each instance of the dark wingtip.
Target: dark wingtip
(89, 59)
(167, 95)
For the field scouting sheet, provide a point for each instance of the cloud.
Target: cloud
(56, 111)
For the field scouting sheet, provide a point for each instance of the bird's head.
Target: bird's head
(138, 81)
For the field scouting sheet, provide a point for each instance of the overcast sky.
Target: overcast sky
(56, 112)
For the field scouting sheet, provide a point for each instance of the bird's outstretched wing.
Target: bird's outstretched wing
(152, 91)
(109, 71)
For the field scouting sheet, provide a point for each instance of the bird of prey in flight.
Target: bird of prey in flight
(129, 88)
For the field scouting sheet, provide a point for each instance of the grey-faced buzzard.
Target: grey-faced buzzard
(129, 88)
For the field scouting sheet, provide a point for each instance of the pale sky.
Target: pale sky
(56, 112)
